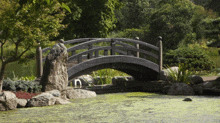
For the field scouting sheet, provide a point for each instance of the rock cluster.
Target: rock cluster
(8, 100)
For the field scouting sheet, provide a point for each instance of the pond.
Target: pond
(130, 107)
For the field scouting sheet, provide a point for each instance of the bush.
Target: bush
(27, 86)
(194, 57)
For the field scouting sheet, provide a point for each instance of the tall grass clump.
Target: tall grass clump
(179, 76)
(105, 75)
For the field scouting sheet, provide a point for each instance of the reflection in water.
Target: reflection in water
(123, 107)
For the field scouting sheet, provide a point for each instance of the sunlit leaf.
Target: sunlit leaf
(66, 7)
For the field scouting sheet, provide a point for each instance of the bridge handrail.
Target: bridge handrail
(73, 57)
(90, 42)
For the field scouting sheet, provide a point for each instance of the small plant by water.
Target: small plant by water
(106, 75)
(180, 75)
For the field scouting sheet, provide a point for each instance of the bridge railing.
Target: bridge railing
(115, 46)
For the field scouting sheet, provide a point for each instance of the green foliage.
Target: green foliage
(172, 21)
(180, 75)
(197, 22)
(130, 33)
(22, 27)
(194, 57)
(213, 5)
(134, 13)
(17, 85)
(90, 18)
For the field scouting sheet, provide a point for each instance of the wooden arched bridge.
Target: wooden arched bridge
(139, 59)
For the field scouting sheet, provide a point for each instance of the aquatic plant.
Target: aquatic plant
(180, 75)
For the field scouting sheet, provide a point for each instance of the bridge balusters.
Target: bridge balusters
(90, 55)
(129, 52)
(96, 54)
(73, 52)
(80, 58)
(105, 52)
(137, 46)
(112, 47)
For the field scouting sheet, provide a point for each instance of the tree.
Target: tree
(172, 21)
(91, 18)
(214, 5)
(22, 27)
(134, 13)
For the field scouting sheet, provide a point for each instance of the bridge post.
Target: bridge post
(160, 55)
(137, 46)
(73, 52)
(112, 47)
(39, 61)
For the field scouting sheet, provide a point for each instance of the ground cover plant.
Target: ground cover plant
(24, 95)
(21, 85)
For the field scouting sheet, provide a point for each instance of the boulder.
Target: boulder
(44, 99)
(195, 79)
(208, 85)
(61, 101)
(8, 101)
(21, 103)
(55, 69)
(55, 93)
(180, 89)
(79, 93)
(120, 81)
(198, 89)
(165, 89)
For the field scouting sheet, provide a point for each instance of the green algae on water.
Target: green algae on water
(123, 107)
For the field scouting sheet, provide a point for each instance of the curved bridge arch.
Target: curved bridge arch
(143, 63)
(137, 67)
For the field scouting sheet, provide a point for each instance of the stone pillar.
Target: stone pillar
(55, 74)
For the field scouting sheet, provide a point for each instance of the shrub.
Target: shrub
(180, 75)
(17, 85)
(194, 57)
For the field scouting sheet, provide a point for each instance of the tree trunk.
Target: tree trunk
(2, 73)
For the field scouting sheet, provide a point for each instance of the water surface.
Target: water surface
(123, 107)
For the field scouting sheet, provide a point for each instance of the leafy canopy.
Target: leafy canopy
(89, 18)
(23, 27)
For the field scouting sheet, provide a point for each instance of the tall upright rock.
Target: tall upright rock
(55, 69)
